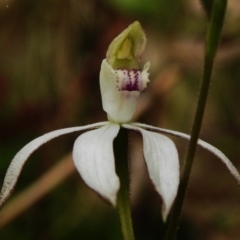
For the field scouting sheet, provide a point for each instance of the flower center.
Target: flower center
(129, 80)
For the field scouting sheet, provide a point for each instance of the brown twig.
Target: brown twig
(37, 190)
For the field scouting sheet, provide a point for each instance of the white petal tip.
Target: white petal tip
(113, 201)
(165, 213)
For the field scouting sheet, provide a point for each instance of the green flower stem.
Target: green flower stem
(120, 146)
(212, 41)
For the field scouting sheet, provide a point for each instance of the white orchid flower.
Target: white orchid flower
(121, 82)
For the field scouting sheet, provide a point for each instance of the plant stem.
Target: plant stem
(212, 41)
(120, 146)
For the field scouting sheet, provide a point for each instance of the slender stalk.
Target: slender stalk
(212, 41)
(120, 146)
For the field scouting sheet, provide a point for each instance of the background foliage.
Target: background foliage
(50, 56)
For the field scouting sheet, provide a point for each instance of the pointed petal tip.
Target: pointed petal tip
(164, 216)
(5, 193)
(113, 200)
(111, 197)
(166, 212)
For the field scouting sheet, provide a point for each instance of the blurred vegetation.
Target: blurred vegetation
(50, 56)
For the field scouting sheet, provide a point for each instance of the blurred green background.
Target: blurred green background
(50, 57)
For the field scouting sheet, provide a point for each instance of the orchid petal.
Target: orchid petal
(20, 158)
(233, 171)
(162, 161)
(119, 105)
(120, 93)
(94, 159)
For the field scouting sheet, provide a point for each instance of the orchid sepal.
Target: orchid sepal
(215, 151)
(21, 157)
